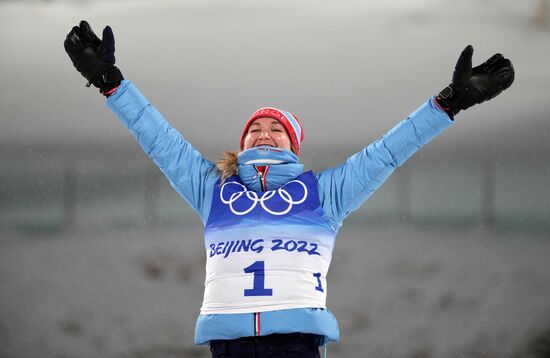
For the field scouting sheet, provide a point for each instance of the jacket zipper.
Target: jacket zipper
(262, 175)
(257, 324)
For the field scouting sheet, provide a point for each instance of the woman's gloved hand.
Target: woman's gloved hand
(94, 58)
(471, 86)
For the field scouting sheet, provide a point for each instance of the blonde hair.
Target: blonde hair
(227, 165)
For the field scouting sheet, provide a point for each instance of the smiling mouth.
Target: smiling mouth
(265, 145)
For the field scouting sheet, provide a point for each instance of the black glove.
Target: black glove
(471, 86)
(94, 58)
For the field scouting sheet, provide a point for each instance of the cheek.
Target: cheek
(283, 139)
(248, 140)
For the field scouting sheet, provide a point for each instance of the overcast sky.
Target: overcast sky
(350, 70)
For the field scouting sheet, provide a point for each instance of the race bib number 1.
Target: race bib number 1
(258, 269)
(259, 289)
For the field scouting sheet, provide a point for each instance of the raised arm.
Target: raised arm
(188, 172)
(344, 188)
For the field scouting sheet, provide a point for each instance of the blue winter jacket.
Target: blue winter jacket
(341, 190)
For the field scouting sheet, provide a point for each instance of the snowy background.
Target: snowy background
(450, 258)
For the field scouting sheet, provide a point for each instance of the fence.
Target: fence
(52, 194)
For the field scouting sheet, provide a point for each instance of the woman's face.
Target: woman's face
(266, 131)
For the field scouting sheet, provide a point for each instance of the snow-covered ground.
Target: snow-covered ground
(397, 291)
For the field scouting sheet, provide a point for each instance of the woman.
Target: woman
(270, 226)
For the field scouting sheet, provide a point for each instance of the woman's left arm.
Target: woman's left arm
(344, 188)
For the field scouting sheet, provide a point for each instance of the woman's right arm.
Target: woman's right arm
(188, 172)
(186, 169)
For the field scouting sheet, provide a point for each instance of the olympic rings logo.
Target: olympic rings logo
(253, 199)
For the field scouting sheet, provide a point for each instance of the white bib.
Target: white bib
(266, 251)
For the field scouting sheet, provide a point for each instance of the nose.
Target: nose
(264, 134)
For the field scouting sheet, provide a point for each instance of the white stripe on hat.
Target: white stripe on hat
(294, 123)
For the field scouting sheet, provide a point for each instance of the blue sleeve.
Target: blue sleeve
(344, 188)
(188, 172)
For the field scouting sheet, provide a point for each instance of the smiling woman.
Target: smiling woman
(270, 226)
(266, 131)
(270, 127)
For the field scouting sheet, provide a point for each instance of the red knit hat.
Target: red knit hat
(288, 120)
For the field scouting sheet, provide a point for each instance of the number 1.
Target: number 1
(258, 269)
(319, 286)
